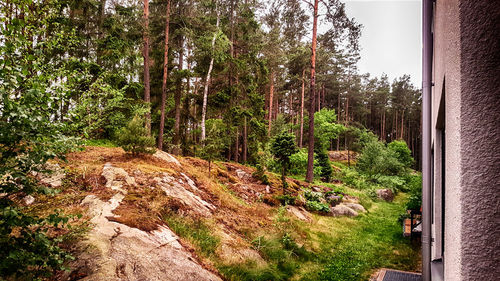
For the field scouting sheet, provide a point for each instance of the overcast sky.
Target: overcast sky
(391, 37)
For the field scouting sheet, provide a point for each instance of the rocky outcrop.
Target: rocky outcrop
(385, 194)
(115, 251)
(54, 177)
(342, 210)
(299, 212)
(356, 207)
(166, 157)
(178, 189)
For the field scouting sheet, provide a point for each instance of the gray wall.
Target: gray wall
(466, 74)
(480, 139)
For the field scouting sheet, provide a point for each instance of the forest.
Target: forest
(269, 84)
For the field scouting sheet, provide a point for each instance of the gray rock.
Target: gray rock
(356, 207)
(54, 179)
(385, 194)
(166, 157)
(28, 200)
(342, 210)
(268, 189)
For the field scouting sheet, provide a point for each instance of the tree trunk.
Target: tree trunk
(207, 81)
(319, 99)
(237, 146)
(145, 54)
(310, 152)
(178, 97)
(271, 94)
(245, 140)
(164, 81)
(402, 124)
(302, 108)
(102, 8)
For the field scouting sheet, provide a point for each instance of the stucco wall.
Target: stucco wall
(480, 139)
(447, 81)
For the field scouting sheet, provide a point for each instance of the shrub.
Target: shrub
(313, 196)
(324, 163)
(134, 138)
(286, 199)
(403, 153)
(376, 158)
(282, 147)
(317, 207)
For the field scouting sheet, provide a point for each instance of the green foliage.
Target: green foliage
(325, 165)
(134, 137)
(216, 140)
(282, 147)
(414, 187)
(286, 199)
(101, 108)
(313, 196)
(376, 158)
(31, 92)
(402, 151)
(195, 230)
(317, 207)
(325, 128)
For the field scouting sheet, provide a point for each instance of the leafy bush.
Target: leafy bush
(403, 153)
(376, 158)
(317, 207)
(134, 138)
(286, 199)
(313, 196)
(31, 93)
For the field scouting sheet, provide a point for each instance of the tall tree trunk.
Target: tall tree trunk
(302, 108)
(319, 99)
(145, 54)
(245, 139)
(102, 8)
(164, 81)
(310, 150)
(178, 97)
(207, 80)
(237, 146)
(402, 123)
(271, 94)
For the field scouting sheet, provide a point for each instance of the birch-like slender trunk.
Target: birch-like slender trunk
(310, 150)
(145, 54)
(302, 108)
(164, 81)
(207, 80)
(271, 94)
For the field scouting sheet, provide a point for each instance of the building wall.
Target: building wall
(480, 139)
(447, 85)
(466, 74)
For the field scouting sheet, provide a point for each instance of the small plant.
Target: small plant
(282, 147)
(317, 207)
(313, 196)
(134, 138)
(286, 199)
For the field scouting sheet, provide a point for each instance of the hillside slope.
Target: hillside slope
(157, 217)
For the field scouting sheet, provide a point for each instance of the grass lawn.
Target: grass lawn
(352, 248)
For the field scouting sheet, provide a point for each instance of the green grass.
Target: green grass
(194, 230)
(356, 247)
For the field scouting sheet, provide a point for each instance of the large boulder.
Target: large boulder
(166, 157)
(342, 210)
(299, 212)
(385, 194)
(356, 207)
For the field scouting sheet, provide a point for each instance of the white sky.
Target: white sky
(391, 37)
